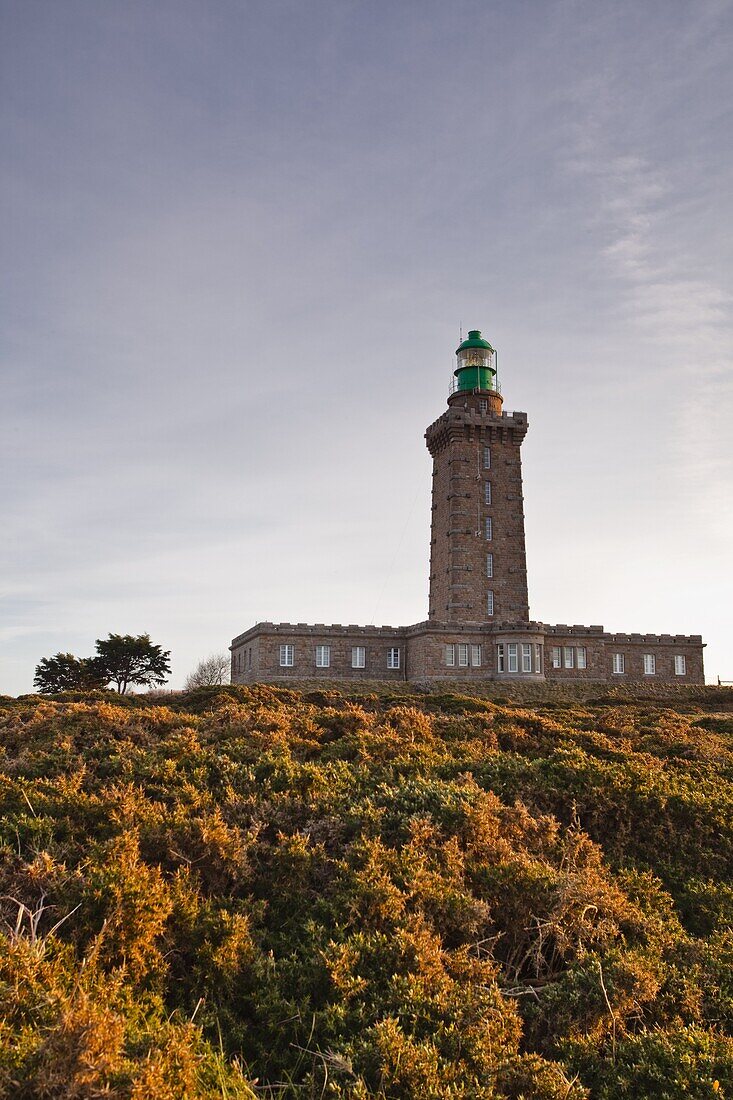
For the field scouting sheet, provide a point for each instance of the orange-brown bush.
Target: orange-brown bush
(256, 892)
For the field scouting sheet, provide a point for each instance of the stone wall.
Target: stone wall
(423, 653)
(265, 639)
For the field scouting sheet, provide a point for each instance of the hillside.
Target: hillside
(259, 892)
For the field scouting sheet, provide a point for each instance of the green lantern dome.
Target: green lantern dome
(475, 340)
(476, 369)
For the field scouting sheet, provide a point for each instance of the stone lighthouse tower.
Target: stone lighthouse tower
(478, 568)
(478, 628)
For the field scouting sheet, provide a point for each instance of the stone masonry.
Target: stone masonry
(478, 627)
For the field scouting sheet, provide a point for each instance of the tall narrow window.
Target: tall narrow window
(323, 656)
(488, 529)
(487, 458)
(483, 405)
(680, 664)
(489, 565)
(556, 656)
(487, 492)
(358, 656)
(617, 664)
(512, 656)
(537, 657)
(582, 657)
(476, 656)
(650, 664)
(249, 657)
(287, 656)
(526, 657)
(500, 657)
(569, 654)
(450, 655)
(489, 604)
(393, 658)
(462, 655)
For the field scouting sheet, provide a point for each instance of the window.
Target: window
(462, 655)
(569, 655)
(500, 658)
(287, 656)
(249, 657)
(483, 405)
(618, 664)
(488, 529)
(556, 657)
(650, 664)
(323, 656)
(489, 565)
(476, 656)
(487, 492)
(489, 604)
(358, 656)
(512, 656)
(680, 664)
(393, 658)
(450, 655)
(581, 657)
(487, 458)
(537, 657)
(526, 657)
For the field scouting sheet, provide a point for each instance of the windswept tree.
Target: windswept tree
(65, 672)
(124, 659)
(211, 672)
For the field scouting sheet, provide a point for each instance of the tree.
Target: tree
(211, 672)
(125, 659)
(65, 672)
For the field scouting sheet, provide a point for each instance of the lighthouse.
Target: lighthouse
(478, 566)
(478, 627)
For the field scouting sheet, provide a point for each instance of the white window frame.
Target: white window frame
(287, 655)
(323, 656)
(568, 657)
(476, 656)
(537, 657)
(393, 657)
(618, 664)
(489, 565)
(680, 664)
(487, 492)
(650, 664)
(487, 458)
(358, 656)
(489, 605)
(526, 656)
(581, 657)
(500, 657)
(450, 655)
(557, 656)
(512, 657)
(463, 654)
(488, 529)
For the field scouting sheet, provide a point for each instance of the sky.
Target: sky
(241, 241)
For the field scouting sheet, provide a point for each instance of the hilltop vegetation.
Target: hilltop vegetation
(256, 892)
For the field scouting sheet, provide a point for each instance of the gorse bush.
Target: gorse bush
(253, 892)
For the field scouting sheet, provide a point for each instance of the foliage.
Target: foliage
(255, 892)
(125, 659)
(65, 672)
(211, 672)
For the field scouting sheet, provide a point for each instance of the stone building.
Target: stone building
(478, 626)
